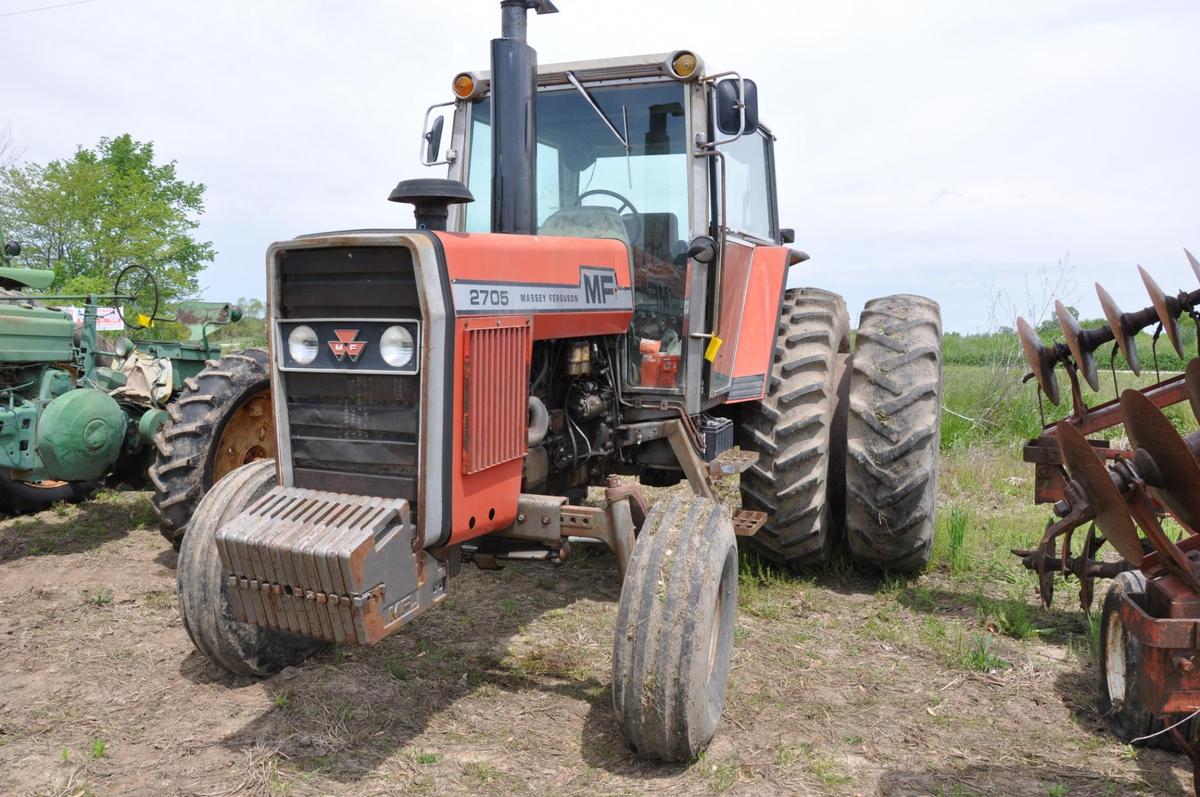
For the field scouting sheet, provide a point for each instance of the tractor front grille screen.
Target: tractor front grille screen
(352, 432)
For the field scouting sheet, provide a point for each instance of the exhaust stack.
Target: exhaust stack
(514, 120)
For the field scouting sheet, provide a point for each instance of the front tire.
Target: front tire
(674, 635)
(222, 419)
(792, 431)
(204, 603)
(893, 433)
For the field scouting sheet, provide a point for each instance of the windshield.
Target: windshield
(590, 185)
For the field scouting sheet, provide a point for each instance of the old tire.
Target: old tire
(893, 433)
(674, 635)
(1120, 659)
(791, 429)
(221, 420)
(204, 598)
(20, 498)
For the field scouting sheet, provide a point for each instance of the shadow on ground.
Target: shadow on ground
(1024, 781)
(348, 710)
(67, 529)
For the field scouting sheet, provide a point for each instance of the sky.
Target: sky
(958, 150)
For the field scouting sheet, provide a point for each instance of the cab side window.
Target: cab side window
(748, 187)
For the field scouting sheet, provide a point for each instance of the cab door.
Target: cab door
(752, 271)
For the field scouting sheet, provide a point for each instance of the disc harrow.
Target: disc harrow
(1143, 499)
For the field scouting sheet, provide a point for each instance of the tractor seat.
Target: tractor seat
(586, 221)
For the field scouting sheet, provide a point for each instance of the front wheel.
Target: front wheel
(674, 635)
(204, 603)
(1120, 701)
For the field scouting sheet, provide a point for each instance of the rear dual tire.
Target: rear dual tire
(848, 443)
(893, 433)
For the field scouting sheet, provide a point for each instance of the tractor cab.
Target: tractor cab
(650, 151)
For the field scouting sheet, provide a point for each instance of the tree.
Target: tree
(89, 216)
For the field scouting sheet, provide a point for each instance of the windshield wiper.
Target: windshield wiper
(599, 111)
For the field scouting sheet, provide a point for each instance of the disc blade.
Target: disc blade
(1194, 263)
(1192, 378)
(1124, 341)
(1084, 359)
(1039, 360)
(1165, 317)
(1112, 516)
(1150, 430)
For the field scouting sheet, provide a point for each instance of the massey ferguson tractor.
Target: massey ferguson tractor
(597, 290)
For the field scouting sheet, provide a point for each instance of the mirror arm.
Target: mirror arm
(451, 156)
(741, 107)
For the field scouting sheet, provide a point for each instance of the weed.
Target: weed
(99, 598)
(723, 774)
(509, 606)
(482, 772)
(1091, 636)
(956, 537)
(427, 758)
(1057, 790)
(979, 656)
(65, 755)
(280, 700)
(1011, 618)
(396, 669)
(98, 749)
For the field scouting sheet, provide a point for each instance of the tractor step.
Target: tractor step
(343, 568)
(731, 463)
(747, 522)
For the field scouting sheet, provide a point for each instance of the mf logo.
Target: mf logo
(347, 345)
(598, 285)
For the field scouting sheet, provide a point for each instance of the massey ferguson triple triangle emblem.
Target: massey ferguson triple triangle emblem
(346, 344)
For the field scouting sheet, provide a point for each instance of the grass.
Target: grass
(979, 656)
(98, 598)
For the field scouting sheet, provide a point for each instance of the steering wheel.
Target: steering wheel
(136, 292)
(625, 203)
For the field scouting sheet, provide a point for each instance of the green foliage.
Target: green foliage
(957, 522)
(979, 656)
(92, 214)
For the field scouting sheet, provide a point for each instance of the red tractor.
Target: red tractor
(598, 289)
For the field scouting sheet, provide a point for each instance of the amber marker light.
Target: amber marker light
(464, 86)
(684, 65)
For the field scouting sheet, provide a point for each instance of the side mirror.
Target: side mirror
(433, 140)
(787, 236)
(729, 107)
(702, 249)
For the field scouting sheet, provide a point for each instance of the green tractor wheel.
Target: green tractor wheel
(20, 498)
(221, 420)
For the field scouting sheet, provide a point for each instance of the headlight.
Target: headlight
(396, 346)
(303, 344)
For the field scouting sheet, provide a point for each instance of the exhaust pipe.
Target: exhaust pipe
(514, 120)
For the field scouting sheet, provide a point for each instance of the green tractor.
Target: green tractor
(78, 412)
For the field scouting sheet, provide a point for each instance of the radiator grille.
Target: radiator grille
(495, 390)
(352, 433)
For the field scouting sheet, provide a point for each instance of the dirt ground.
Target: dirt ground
(841, 685)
